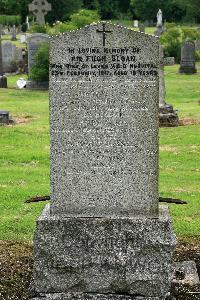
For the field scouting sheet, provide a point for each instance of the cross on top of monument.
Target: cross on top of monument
(40, 8)
(104, 33)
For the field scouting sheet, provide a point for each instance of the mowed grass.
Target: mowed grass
(24, 157)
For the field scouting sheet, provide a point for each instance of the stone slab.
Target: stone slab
(104, 122)
(103, 255)
(87, 296)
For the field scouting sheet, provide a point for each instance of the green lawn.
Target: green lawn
(24, 157)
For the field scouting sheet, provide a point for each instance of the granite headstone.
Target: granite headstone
(11, 56)
(102, 236)
(188, 62)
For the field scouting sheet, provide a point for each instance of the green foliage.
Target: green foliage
(39, 28)
(84, 17)
(40, 69)
(10, 20)
(109, 9)
(173, 38)
(62, 9)
(60, 27)
(197, 55)
(171, 41)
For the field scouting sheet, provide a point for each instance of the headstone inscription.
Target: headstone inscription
(168, 117)
(188, 63)
(40, 8)
(34, 41)
(102, 236)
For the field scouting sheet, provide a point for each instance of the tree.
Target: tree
(62, 9)
(109, 9)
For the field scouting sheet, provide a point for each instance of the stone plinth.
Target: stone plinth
(103, 255)
(168, 117)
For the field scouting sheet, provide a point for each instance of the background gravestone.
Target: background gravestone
(168, 117)
(188, 63)
(34, 41)
(11, 56)
(102, 237)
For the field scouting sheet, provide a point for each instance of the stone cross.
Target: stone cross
(40, 8)
(104, 33)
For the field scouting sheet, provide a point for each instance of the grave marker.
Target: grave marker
(40, 8)
(188, 63)
(102, 236)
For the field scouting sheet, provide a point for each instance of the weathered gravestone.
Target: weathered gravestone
(11, 56)
(34, 41)
(168, 117)
(14, 34)
(197, 45)
(3, 78)
(187, 65)
(102, 236)
(141, 27)
(40, 8)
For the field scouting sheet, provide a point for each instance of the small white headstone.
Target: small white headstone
(136, 23)
(21, 83)
(22, 38)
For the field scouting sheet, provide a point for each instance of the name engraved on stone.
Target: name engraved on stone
(97, 62)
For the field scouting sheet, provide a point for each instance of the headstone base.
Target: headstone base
(3, 82)
(168, 117)
(87, 296)
(117, 256)
(187, 70)
(34, 85)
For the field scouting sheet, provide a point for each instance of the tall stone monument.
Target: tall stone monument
(40, 8)
(103, 236)
(3, 78)
(188, 63)
(159, 25)
(168, 117)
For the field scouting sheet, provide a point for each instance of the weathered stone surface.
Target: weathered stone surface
(188, 64)
(87, 296)
(188, 271)
(102, 255)
(104, 122)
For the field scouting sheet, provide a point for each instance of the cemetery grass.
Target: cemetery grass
(24, 173)
(24, 158)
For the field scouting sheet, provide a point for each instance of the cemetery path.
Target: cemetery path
(16, 269)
